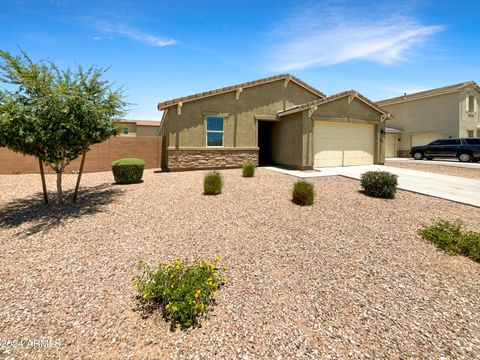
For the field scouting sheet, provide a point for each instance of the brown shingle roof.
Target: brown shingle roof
(330, 98)
(427, 93)
(168, 103)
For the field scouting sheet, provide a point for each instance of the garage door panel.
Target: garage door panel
(357, 158)
(329, 158)
(342, 144)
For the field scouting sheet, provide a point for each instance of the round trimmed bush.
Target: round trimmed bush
(248, 170)
(128, 170)
(303, 193)
(212, 183)
(381, 184)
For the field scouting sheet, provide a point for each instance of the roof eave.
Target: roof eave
(334, 97)
(398, 100)
(163, 106)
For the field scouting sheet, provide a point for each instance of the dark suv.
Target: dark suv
(464, 149)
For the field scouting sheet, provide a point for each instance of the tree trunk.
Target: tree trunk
(80, 173)
(59, 187)
(44, 184)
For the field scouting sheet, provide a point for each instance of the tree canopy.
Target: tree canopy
(54, 114)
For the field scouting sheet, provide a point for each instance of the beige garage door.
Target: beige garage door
(425, 138)
(342, 144)
(390, 145)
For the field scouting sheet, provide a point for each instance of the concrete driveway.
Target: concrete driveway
(459, 189)
(444, 162)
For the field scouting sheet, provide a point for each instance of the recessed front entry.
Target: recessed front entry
(343, 144)
(265, 142)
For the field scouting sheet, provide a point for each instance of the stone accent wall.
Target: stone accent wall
(210, 159)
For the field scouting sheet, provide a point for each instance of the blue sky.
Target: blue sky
(161, 50)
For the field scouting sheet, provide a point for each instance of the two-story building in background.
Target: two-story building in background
(419, 118)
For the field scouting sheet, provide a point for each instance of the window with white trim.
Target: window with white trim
(215, 131)
(471, 104)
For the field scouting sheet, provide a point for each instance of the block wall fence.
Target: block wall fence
(99, 157)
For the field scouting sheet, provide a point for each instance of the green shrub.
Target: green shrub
(248, 170)
(303, 193)
(128, 170)
(453, 238)
(381, 184)
(183, 290)
(212, 183)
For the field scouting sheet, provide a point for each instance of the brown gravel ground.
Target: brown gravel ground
(346, 277)
(437, 168)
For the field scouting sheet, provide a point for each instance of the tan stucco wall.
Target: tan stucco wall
(432, 114)
(340, 108)
(287, 145)
(132, 129)
(147, 130)
(469, 121)
(443, 116)
(188, 129)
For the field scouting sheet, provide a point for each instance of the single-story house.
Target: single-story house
(277, 120)
(422, 117)
(138, 127)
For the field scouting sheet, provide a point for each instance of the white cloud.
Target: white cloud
(326, 35)
(128, 32)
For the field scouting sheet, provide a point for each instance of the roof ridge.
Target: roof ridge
(434, 91)
(336, 96)
(172, 102)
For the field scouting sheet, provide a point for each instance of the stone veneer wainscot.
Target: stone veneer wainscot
(188, 159)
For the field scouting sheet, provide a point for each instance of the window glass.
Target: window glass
(450, 142)
(214, 131)
(125, 130)
(214, 139)
(473, 141)
(215, 124)
(435, 143)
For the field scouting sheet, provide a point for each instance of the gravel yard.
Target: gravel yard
(347, 277)
(437, 168)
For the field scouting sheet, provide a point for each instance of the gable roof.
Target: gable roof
(428, 93)
(140, 122)
(353, 93)
(165, 104)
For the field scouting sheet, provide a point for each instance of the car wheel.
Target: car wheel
(465, 157)
(418, 155)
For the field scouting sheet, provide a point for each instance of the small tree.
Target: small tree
(55, 115)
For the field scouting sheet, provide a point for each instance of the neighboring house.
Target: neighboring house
(277, 120)
(419, 118)
(139, 127)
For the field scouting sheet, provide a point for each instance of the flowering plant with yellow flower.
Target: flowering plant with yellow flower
(183, 289)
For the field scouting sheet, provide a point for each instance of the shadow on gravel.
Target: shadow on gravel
(48, 216)
(156, 310)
